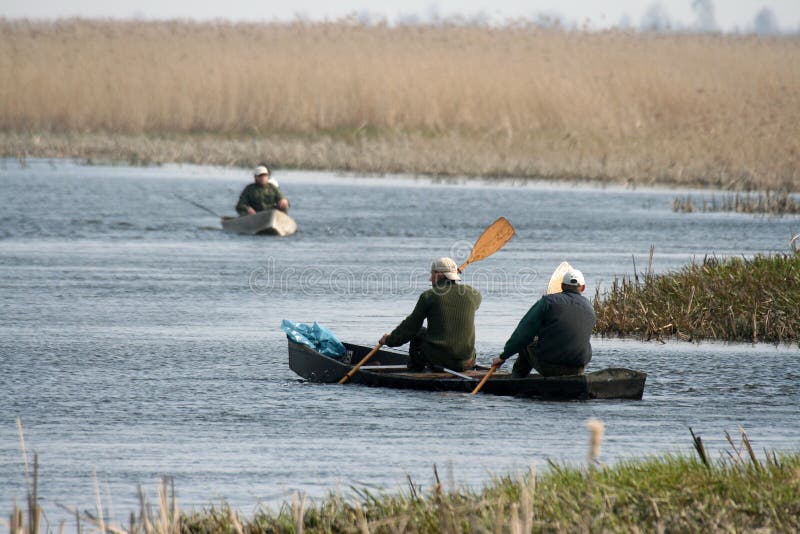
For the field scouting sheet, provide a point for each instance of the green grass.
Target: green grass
(676, 493)
(733, 299)
(672, 493)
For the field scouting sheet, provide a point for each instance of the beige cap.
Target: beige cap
(260, 170)
(573, 277)
(447, 267)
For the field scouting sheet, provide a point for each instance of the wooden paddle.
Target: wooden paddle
(492, 369)
(490, 241)
(364, 360)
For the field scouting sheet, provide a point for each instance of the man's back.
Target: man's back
(451, 322)
(566, 330)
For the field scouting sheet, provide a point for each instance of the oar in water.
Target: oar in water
(364, 360)
(490, 241)
(190, 201)
(492, 369)
(554, 286)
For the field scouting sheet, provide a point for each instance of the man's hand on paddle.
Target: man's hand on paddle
(384, 337)
(283, 204)
(498, 362)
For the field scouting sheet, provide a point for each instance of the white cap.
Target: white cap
(260, 170)
(447, 267)
(573, 277)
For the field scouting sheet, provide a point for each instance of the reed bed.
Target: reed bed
(733, 299)
(520, 100)
(737, 492)
(762, 202)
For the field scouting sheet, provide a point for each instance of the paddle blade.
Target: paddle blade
(554, 286)
(490, 241)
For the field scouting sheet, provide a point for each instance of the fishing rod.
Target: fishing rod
(190, 201)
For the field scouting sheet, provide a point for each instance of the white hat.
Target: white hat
(447, 267)
(573, 277)
(260, 170)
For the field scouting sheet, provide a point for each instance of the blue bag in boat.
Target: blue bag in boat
(314, 336)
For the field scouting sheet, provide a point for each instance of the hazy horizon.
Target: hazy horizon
(765, 17)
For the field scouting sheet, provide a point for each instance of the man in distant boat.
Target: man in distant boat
(449, 307)
(554, 335)
(263, 194)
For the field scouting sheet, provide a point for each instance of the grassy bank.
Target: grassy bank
(705, 110)
(733, 299)
(670, 493)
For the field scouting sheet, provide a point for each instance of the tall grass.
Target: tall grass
(762, 202)
(519, 100)
(734, 299)
(736, 493)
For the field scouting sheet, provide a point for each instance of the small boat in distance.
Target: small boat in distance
(267, 222)
(388, 369)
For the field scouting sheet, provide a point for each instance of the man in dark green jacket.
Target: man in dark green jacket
(449, 307)
(553, 337)
(263, 194)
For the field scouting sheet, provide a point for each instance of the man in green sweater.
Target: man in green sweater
(553, 337)
(263, 194)
(449, 307)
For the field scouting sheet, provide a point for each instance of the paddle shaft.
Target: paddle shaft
(364, 360)
(485, 378)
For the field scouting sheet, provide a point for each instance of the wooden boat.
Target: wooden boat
(267, 222)
(388, 369)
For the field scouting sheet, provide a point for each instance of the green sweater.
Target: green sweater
(450, 311)
(258, 197)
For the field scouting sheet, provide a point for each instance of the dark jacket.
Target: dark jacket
(563, 323)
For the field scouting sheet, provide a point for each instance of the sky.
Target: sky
(725, 15)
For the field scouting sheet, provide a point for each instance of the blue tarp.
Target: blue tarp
(314, 336)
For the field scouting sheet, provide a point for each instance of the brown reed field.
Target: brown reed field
(523, 101)
(733, 299)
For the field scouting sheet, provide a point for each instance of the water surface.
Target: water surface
(137, 340)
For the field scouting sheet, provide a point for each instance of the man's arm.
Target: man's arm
(243, 204)
(406, 330)
(279, 197)
(526, 330)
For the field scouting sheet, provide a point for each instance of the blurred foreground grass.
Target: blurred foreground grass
(672, 493)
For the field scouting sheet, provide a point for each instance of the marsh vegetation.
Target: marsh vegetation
(709, 110)
(736, 492)
(762, 202)
(733, 299)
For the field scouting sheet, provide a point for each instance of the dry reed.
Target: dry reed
(514, 101)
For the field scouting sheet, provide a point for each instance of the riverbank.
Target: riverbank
(517, 101)
(738, 492)
(732, 299)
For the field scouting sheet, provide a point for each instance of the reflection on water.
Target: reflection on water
(138, 340)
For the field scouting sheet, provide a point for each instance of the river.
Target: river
(137, 340)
